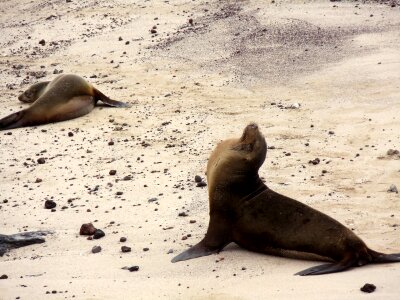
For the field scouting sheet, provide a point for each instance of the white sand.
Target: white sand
(340, 64)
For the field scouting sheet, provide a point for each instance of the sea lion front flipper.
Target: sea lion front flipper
(197, 250)
(217, 237)
(106, 100)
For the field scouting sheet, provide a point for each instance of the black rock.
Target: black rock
(112, 172)
(131, 269)
(49, 204)
(122, 239)
(4, 276)
(125, 249)
(41, 161)
(197, 178)
(368, 288)
(98, 234)
(201, 184)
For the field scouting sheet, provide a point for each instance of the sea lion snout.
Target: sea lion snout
(253, 126)
(250, 133)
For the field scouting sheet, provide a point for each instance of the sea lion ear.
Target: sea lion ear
(197, 250)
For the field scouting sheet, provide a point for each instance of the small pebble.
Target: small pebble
(112, 172)
(96, 249)
(122, 239)
(49, 204)
(197, 178)
(4, 276)
(41, 161)
(393, 189)
(87, 229)
(98, 234)
(126, 249)
(368, 288)
(201, 184)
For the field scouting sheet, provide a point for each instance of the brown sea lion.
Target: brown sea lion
(66, 97)
(245, 211)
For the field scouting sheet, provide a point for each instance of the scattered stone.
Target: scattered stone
(152, 200)
(368, 288)
(126, 249)
(192, 221)
(392, 152)
(191, 21)
(38, 180)
(201, 184)
(198, 179)
(170, 251)
(49, 204)
(131, 269)
(119, 193)
(182, 214)
(42, 42)
(331, 132)
(41, 161)
(96, 249)
(122, 239)
(146, 249)
(110, 143)
(294, 106)
(98, 234)
(87, 229)
(112, 172)
(4, 276)
(393, 189)
(315, 161)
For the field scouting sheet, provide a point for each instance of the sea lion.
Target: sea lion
(68, 96)
(8, 242)
(245, 211)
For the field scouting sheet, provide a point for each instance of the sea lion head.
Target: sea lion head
(33, 93)
(252, 145)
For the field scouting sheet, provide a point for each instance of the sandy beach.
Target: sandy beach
(320, 78)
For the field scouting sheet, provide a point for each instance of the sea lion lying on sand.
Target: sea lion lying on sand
(66, 97)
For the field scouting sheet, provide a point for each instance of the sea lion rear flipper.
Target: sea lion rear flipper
(114, 103)
(14, 120)
(217, 237)
(324, 269)
(385, 258)
(350, 260)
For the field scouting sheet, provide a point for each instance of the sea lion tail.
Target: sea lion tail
(14, 120)
(106, 100)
